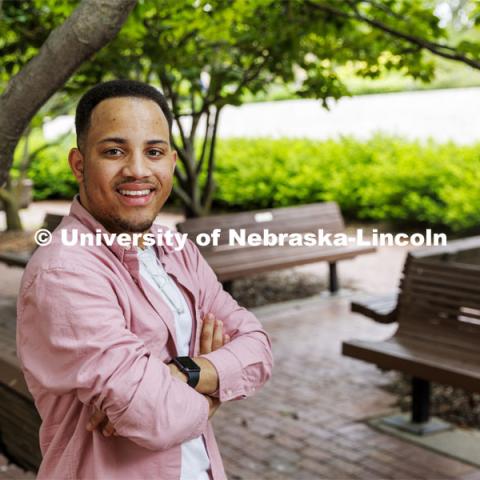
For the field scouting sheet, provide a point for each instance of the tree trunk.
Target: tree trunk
(91, 26)
(10, 205)
(12, 199)
(196, 197)
(14, 222)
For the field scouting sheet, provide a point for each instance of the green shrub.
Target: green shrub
(52, 177)
(382, 179)
(49, 171)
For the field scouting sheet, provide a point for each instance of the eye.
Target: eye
(155, 152)
(113, 152)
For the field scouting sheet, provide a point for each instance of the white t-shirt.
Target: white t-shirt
(195, 461)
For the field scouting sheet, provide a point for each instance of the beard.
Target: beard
(116, 223)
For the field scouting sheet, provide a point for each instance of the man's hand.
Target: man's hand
(99, 420)
(212, 337)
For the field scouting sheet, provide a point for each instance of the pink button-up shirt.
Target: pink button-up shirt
(91, 333)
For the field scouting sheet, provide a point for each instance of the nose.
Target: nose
(136, 166)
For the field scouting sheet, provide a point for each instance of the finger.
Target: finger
(226, 338)
(95, 420)
(102, 424)
(207, 334)
(108, 430)
(217, 341)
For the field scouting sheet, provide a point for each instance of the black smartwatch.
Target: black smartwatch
(189, 368)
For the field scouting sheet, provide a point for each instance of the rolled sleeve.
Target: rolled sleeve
(246, 362)
(231, 382)
(72, 337)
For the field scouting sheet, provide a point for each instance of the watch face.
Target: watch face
(187, 363)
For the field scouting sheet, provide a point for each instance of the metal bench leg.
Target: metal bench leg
(228, 286)
(333, 277)
(419, 422)
(420, 400)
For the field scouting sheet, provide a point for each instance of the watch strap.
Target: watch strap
(193, 376)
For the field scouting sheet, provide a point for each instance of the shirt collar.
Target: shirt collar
(78, 211)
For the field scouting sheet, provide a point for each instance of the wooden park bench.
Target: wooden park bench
(20, 259)
(438, 335)
(19, 420)
(231, 262)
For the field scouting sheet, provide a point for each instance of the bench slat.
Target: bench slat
(381, 309)
(438, 318)
(324, 209)
(231, 267)
(308, 226)
(416, 361)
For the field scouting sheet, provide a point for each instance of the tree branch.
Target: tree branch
(251, 74)
(181, 152)
(204, 144)
(445, 51)
(195, 118)
(177, 190)
(91, 26)
(209, 185)
(181, 177)
(383, 8)
(168, 87)
(5, 196)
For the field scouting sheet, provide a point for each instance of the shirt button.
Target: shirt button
(229, 393)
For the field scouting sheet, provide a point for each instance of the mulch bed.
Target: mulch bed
(453, 405)
(17, 242)
(275, 287)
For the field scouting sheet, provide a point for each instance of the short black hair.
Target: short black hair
(113, 89)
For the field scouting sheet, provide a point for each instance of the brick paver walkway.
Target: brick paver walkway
(307, 423)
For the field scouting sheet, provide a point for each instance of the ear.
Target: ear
(77, 163)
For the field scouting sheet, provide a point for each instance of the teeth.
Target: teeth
(134, 193)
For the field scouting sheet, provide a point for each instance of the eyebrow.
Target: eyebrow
(123, 141)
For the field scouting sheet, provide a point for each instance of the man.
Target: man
(128, 351)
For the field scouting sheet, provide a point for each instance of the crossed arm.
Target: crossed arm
(212, 338)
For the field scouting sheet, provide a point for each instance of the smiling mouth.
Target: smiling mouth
(135, 193)
(139, 196)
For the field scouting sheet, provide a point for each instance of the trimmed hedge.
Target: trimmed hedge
(382, 179)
